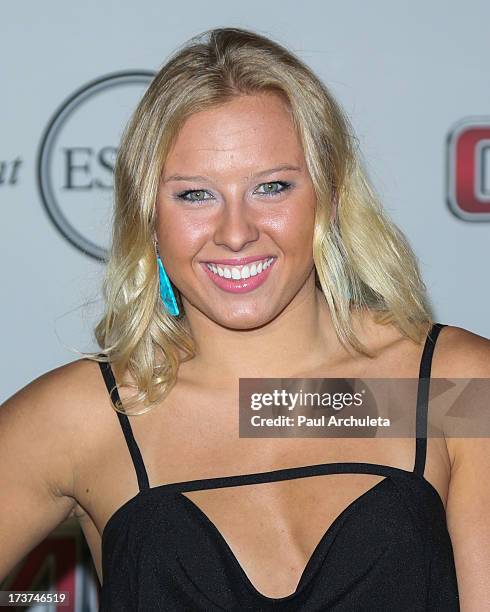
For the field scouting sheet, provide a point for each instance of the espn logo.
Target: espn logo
(468, 169)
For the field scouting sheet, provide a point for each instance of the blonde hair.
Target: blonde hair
(363, 261)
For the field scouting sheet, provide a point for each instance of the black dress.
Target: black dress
(388, 551)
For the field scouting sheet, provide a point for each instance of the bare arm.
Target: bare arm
(36, 464)
(468, 505)
(468, 516)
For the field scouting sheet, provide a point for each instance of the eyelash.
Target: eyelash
(284, 184)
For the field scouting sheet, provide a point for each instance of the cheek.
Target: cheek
(303, 223)
(293, 230)
(179, 237)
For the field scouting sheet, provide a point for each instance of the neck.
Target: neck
(299, 339)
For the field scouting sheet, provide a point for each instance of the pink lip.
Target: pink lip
(242, 285)
(241, 261)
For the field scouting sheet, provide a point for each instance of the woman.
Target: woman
(238, 179)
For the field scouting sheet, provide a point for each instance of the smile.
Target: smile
(239, 279)
(237, 272)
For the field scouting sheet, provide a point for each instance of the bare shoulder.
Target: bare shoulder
(57, 411)
(45, 437)
(464, 354)
(461, 354)
(54, 395)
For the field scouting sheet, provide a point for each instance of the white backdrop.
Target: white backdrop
(406, 74)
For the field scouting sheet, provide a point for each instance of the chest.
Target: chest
(282, 523)
(167, 533)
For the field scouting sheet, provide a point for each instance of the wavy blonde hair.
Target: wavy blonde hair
(362, 259)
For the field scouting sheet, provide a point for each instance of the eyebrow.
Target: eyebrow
(199, 177)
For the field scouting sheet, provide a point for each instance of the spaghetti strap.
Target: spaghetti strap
(423, 398)
(134, 450)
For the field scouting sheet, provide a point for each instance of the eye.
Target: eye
(199, 193)
(271, 189)
(274, 188)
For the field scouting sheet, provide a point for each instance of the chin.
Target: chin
(243, 321)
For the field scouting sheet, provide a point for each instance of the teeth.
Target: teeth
(237, 273)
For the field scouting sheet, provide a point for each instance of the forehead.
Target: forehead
(243, 135)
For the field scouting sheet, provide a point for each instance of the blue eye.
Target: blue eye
(198, 192)
(274, 191)
(271, 189)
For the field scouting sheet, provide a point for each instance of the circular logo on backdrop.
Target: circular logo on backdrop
(76, 158)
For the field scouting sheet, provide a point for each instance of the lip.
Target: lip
(241, 261)
(242, 285)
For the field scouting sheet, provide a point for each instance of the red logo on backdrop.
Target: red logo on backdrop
(469, 169)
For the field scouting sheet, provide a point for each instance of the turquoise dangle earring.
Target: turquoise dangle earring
(166, 292)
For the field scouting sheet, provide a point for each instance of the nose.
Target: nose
(236, 226)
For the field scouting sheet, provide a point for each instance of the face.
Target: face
(235, 213)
